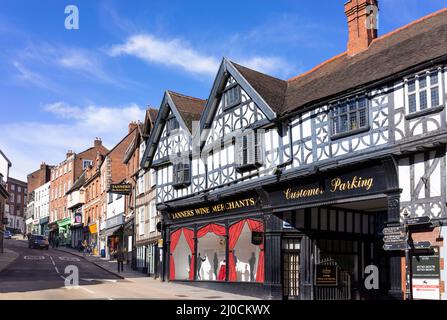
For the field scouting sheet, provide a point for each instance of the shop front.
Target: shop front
(53, 232)
(92, 238)
(64, 232)
(301, 238)
(36, 226)
(76, 229)
(43, 222)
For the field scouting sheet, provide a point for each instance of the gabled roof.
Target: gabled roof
(78, 183)
(190, 108)
(420, 42)
(185, 108)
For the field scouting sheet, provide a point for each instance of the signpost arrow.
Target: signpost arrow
(395, 246)
(422, 245)
(418, 220)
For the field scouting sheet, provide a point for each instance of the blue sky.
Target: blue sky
(62, 88)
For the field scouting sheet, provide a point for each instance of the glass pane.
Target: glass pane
(422, 82)
(362, 118)
(434, 97)
(343, 123)
(423, 100)
(411, 85)
(211, 250)
(182, 258)
(343, 107)
(412, 102)
(335, 127)
(351, 105)
(362, 102)
(353, 123)
(246, 256)
(434, 78)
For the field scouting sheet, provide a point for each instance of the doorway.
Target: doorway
(291, 268)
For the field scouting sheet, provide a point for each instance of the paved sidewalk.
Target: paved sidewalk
(106, 264)
(6, 258)
(155, 289)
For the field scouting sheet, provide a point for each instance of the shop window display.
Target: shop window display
(211, 253)
(182, 252)
(246, 258)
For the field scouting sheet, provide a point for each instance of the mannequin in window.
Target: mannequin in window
(252, 262)
(199, 266)
(205, 269)
(215, 265)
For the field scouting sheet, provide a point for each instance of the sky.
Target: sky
(61, 88)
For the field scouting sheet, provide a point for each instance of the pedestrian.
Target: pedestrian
(120, 260)
(57, 241)
(84, 247)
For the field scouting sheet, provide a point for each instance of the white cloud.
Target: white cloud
(178, 53)
(27, 144)
(171, 52)
(26, 76)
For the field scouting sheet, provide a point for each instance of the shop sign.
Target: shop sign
(334, 186)
(160, 243)
(217, 208)
(326, 275)
(36, 221)
(121, 188)
(93, 228)
(257, 237)
(425, 269)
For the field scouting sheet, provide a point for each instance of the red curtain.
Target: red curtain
(214, 228)
(189, 236)
(259, 227)
(175, 236)
(234, 233)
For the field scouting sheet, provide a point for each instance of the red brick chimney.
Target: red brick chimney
(97, 143)
(132, 126)
(362, 24)
(69, 153)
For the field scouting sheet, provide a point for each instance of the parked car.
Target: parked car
(7, 235)
(37, 241)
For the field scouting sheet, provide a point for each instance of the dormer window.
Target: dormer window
(349, 116)
(232, 96)
(423, 91)
(249, 151)
(182, 174)
(172, 124)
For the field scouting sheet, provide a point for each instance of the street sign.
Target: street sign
(393, 230)
(418, 220)
(422, 245)
(396, 246)
(393, 238)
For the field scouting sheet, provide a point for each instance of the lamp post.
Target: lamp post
(407, 260)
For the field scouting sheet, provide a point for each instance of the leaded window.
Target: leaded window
(349, 115)
(423, 91)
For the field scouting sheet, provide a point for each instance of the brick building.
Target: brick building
(15, 209)
(62, 179)
(5, 164)
(114, 171)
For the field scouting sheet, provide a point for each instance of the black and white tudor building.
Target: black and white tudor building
(281, 189)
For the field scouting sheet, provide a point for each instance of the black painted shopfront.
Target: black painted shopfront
(297, 238)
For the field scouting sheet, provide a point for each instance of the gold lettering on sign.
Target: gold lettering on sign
(355, 183)
(302, 193)
(217, 208)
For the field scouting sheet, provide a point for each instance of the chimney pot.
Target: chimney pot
(132, 126)
(97, 142)
(362, 24)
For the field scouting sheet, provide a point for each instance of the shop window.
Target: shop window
(249, 150)
(246, 256)
(211, 253)
(181, 262)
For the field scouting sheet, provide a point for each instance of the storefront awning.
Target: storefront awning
(109, 232)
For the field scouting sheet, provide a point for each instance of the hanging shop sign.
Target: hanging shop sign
(326, 275)
(425, 272)
(121, 188)
(257, 237)
(230, 206)
(358, 182)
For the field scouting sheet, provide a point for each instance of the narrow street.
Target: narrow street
(39, 275)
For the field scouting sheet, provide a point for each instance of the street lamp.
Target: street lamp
(407, 258)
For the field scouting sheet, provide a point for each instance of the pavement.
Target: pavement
(7, 257)
(31, 274)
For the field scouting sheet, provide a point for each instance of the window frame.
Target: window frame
(258, 155)
(427, 89)
(237, 101)
(180, 166)
(338, 103)
(169, 124)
